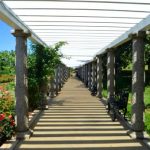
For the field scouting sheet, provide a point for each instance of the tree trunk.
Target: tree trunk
(52, 90)
(43, 92)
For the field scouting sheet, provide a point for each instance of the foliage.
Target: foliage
(6, 101)
(147, 57)
(147, 96)
(6, 78)
(123, 56)
(33, 89)
(104, 93)
(124, 75)
(7, 62)
(41, 65)
(7, 123)
(123, 61)
(123, 81)
(147, 122)
(147, 50)
(129, 111)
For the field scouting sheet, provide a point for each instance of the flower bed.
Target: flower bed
(7, 122)
(6, 78)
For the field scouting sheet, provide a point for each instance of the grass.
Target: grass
(147, 110)
(104, 93)
(147, 96)
(147, 121)
(129, 67)
(147, 104)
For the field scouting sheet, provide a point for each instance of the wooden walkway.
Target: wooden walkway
(77, 121)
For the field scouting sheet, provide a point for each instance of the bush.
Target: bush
(7, 122)
(104, 93)
(41, 66)
(6, 78)
(147, 122)
(33, 94)
(7, 125)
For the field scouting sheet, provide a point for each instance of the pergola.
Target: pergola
(91, 28)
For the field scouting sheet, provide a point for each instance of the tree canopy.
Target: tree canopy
(7, 62)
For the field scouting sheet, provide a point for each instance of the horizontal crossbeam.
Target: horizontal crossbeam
(92, 1)
(85, 9)
(115, 22)
(80, 16)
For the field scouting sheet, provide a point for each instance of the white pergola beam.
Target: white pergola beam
(141, 26)
(11, 19)
(93, 1)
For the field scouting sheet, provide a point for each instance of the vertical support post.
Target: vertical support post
(57, 80)
(93, 74)
(68, 73)
(90, 76)
(61, 75)
(138, 84)
(21, 91)
(86, 75)
(110, 72)
(52, 87)
(64, 73)
(99, 76)
(82, 73)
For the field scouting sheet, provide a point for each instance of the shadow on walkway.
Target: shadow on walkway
(76, 120)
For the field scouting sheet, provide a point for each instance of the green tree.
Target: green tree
(41, 67)
(7, 62)
(147, 57)
(123, 56)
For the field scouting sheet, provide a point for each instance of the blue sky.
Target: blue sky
(7, 41)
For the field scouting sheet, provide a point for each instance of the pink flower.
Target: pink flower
(1, 88)
(2, 117)
(10, 117)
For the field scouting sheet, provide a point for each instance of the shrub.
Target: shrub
(41, 65)
(147, 122)
(6, 101)
(7, 123)
(104, 93)
(6, 78)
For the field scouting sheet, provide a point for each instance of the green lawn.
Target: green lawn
(147, 104)
(147, 96)
(104, 93)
